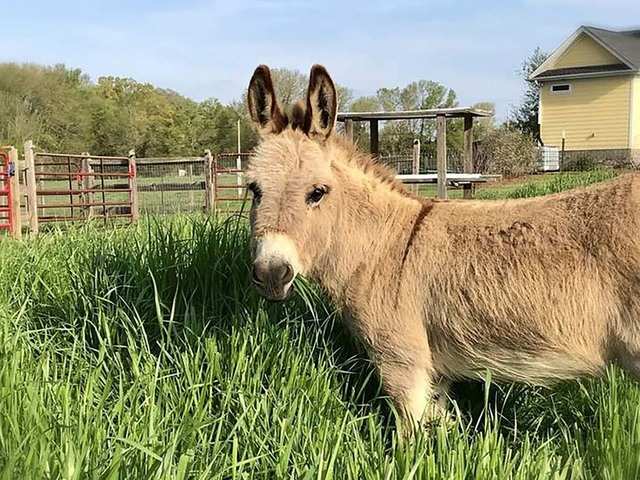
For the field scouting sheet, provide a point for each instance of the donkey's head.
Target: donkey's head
(295, 195)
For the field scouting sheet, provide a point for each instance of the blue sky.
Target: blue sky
(207, 48)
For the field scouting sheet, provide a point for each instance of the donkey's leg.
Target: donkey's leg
(628, 351)
(441, 393)
(410, 389)
(407, 377)
(625, 341)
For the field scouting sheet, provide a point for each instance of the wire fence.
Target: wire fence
(403, 164)
(171, 185)
(179, 185)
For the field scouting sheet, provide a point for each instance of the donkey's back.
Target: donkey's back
(536, 289)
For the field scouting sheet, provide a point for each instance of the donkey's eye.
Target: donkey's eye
(315, 195)
(255, 190)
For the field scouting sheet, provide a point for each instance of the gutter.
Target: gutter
(586, 75)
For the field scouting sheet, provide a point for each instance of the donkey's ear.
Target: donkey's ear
(322, 104)
(263, 106)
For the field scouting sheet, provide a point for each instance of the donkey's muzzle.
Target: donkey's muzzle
(273, 279)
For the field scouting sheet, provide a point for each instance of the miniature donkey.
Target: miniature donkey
(533, 290)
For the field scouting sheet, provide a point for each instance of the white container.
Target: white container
(548, 159)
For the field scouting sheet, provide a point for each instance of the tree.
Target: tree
(398, 136)
(483, 126)
(524, 117)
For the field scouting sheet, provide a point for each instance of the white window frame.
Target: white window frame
(561, 92)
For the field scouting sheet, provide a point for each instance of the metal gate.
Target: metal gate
(228, 182)
(6, 193)
(73, 187)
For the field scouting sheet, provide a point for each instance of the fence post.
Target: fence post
(348, 129)
(209, 182)
(87, 184)
(42, 199)
(416, 162)
(133, 186)
(190, 190)
(16, 215)
(32, 195)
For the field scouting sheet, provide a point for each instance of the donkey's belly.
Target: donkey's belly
(552, 343)
(533, 320)
(519, 366)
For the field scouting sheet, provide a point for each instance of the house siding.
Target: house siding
(594, 116)
(635, 111)
(585, 52)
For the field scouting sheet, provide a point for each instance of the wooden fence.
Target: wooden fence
(48, 187)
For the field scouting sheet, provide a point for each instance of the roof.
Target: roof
(563, 72)
(414, 114)
(624, 45)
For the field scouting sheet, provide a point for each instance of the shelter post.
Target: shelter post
(468, 154)
(441, 144)
(374, 148)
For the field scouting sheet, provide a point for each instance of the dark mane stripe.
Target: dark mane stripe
(424, 211)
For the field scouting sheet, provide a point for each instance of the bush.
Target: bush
(506, 152)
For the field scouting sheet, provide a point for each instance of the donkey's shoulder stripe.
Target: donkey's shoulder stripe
(424, 211)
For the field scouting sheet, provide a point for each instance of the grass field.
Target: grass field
(139, 352)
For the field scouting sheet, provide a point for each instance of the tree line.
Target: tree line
(63, 110)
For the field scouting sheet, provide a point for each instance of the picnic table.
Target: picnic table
(466, 180)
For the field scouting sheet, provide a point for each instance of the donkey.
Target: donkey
(534, 290)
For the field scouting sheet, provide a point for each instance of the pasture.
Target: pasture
(141, 352)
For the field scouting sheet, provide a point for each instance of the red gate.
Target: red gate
(74, 187)
(228, 183)
(6, 193)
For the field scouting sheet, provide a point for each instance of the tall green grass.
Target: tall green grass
(142, 353)
(547, 184)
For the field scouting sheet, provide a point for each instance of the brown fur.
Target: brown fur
(534, 290)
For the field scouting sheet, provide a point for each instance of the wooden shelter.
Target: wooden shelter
(440, 115)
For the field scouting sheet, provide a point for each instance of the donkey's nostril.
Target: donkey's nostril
(286, 273)
(259, 274)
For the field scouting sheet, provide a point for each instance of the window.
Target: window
(561, 89)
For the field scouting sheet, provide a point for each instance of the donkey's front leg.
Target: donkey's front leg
(408, 378)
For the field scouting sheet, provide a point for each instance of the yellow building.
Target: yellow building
(590, 97)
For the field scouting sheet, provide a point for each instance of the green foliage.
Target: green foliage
(62, 110)
(141, 353)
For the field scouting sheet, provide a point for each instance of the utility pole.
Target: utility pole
(239, 165)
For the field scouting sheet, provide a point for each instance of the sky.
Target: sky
(209, 48)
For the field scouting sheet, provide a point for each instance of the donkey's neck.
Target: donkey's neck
(374, 224)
